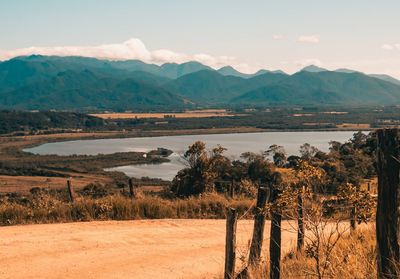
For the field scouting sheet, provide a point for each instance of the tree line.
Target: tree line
(210, 170)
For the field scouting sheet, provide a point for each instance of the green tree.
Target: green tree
(259, 169)
(197, 178)
(278, 154)
(307, 151)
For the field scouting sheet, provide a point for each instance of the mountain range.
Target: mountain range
(88, 84)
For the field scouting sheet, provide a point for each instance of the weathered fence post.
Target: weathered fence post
(300, 221)
(388, 212)
(132, 193)
(353, 218)
(232, 189)
(275, 239)
(230, 243)
(71, 192)
(259, 224)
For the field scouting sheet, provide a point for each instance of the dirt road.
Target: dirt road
(126, 249)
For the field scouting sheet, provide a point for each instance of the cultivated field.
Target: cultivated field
(353, 126)
(186, 114)
(124, 249)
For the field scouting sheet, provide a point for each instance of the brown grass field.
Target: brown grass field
(22, 184)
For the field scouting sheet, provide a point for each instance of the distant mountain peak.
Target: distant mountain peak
(174, 70)
(346, 71)
(225, 68)
(261, 72)
(193, 63)
(30, 57)
(313, 69)
(230, 71)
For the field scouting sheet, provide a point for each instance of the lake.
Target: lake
(235, 143)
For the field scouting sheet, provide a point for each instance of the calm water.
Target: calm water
(235, 143)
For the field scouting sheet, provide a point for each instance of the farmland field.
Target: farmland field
(186, 114)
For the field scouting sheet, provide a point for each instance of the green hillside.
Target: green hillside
(79, 83)
(206, 87)
(86, 90)
(325, 88)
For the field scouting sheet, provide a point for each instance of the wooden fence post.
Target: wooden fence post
(259, 224)
(300, 221)
(353, 218)
(71, 192)
(132, 193)
(232, 189)
(388, 212)
(230, 243)
(275, 239)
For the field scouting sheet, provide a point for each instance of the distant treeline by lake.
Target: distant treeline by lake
(272, 118)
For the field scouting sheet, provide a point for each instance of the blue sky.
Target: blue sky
(361, 35)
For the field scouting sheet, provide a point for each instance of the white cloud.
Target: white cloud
(131, 49)
(311, 39)
(387, 47)
(391, 46)
(278, 37)
(308, 62)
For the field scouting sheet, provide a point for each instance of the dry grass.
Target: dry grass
(42, 207)
(353, 257)
(22, 184)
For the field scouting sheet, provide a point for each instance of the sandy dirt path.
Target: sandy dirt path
(126, 249)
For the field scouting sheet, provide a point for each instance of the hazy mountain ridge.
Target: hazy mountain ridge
(90, 90)
(51, 82)
(325, 87)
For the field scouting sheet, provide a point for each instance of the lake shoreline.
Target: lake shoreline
(235, 144)
(11, 151)
(162, 133)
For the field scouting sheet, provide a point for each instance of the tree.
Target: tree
(359, 140)
(360, 202)
(220, 164)
(199, 176)
(349, 162)
(293, 161)
(278, 154)
(259, 169)
(307, 151)
(307, 178)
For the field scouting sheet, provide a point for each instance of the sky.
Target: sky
(362, 35)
